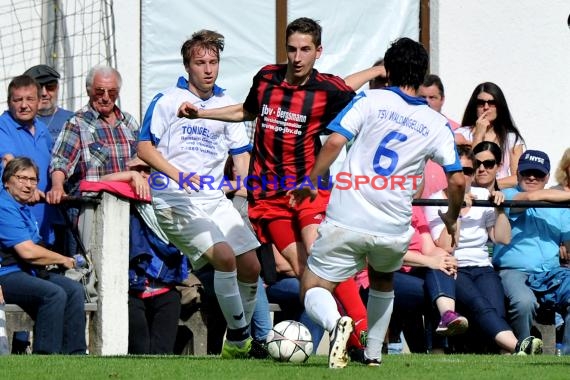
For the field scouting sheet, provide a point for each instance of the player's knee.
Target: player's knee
(248, 266)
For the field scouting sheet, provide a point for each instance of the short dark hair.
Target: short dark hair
(305, 25)
(22, 81)
(204, 39)
(432, 79)
(379, 81)
(464, 150)
(406, 63)
(16, 164)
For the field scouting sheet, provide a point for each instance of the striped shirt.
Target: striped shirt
(88, 148)
(289, 123)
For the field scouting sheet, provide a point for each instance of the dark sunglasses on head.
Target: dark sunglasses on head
(487, 164)
(533, 173)
(490, 102)
(467, 170)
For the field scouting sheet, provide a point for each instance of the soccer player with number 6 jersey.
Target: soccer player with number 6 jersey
(396, 132)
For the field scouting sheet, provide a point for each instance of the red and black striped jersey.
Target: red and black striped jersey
(290, 120)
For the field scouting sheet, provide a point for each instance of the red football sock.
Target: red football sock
(350, 303)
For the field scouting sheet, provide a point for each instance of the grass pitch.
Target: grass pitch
(424, 367)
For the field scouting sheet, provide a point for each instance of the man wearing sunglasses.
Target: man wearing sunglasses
(99, 139)
(49, 112)
(529, 266)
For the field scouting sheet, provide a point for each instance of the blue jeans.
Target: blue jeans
(415, 295)
(480, 292)
(261, 320)
(285, 292)
(56, 304)
(523, 304)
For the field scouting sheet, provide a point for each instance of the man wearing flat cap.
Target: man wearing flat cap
(48, 112)
(530, 265)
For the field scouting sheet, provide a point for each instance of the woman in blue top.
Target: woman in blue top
(56, 303)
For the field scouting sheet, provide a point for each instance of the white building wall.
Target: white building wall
(521, 45)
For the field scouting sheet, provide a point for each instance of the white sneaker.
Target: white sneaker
(338, 356)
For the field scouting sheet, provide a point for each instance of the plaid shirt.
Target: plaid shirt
(88, 148)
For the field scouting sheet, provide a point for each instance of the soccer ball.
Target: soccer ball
(290, 341)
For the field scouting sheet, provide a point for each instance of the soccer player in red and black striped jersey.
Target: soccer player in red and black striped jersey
(293, 104)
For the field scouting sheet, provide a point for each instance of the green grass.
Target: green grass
(424, 367)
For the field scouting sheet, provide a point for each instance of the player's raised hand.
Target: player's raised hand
(297, 196)
(188, 110)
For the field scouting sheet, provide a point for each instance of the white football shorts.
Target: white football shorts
(197, 226)
(338, 253)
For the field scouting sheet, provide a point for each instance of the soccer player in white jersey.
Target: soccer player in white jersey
(396, 132)
(188, 157)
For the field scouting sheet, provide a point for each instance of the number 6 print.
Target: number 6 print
(383, 151)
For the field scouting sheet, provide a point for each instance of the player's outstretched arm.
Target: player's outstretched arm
(359, 79)
(234, 113)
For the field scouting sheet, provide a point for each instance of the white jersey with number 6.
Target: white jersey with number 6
(395, 135)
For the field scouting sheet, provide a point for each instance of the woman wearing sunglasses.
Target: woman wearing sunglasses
(487, 118)
(488, 162)
(478, 289)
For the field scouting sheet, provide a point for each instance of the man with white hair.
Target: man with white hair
(98, 140)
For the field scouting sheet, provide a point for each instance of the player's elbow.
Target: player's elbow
(456, 181)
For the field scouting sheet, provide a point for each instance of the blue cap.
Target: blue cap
(534, 160)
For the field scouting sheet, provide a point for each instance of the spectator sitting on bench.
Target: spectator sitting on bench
(56, 303)
(530, 263)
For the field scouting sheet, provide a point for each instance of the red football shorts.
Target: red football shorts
(275, 221)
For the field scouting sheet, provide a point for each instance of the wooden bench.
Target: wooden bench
(18, 320)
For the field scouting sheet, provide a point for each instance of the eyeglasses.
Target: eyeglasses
(489, 102)
(533, 173)
(51, 86)
(23, 179)
(112, 92)
(487, 164)
(467, 170)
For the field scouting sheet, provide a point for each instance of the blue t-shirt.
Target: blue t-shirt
(17, 224)
(18, 141)
(56, 121)
(536, 237)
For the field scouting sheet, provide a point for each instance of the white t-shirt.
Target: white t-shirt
(505, 169)
(192, 146)
(471, 249)
(395, 135)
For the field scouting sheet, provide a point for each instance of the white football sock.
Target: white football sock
(228, 295)
(321, 307)
(248, 293)
(380, 305)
